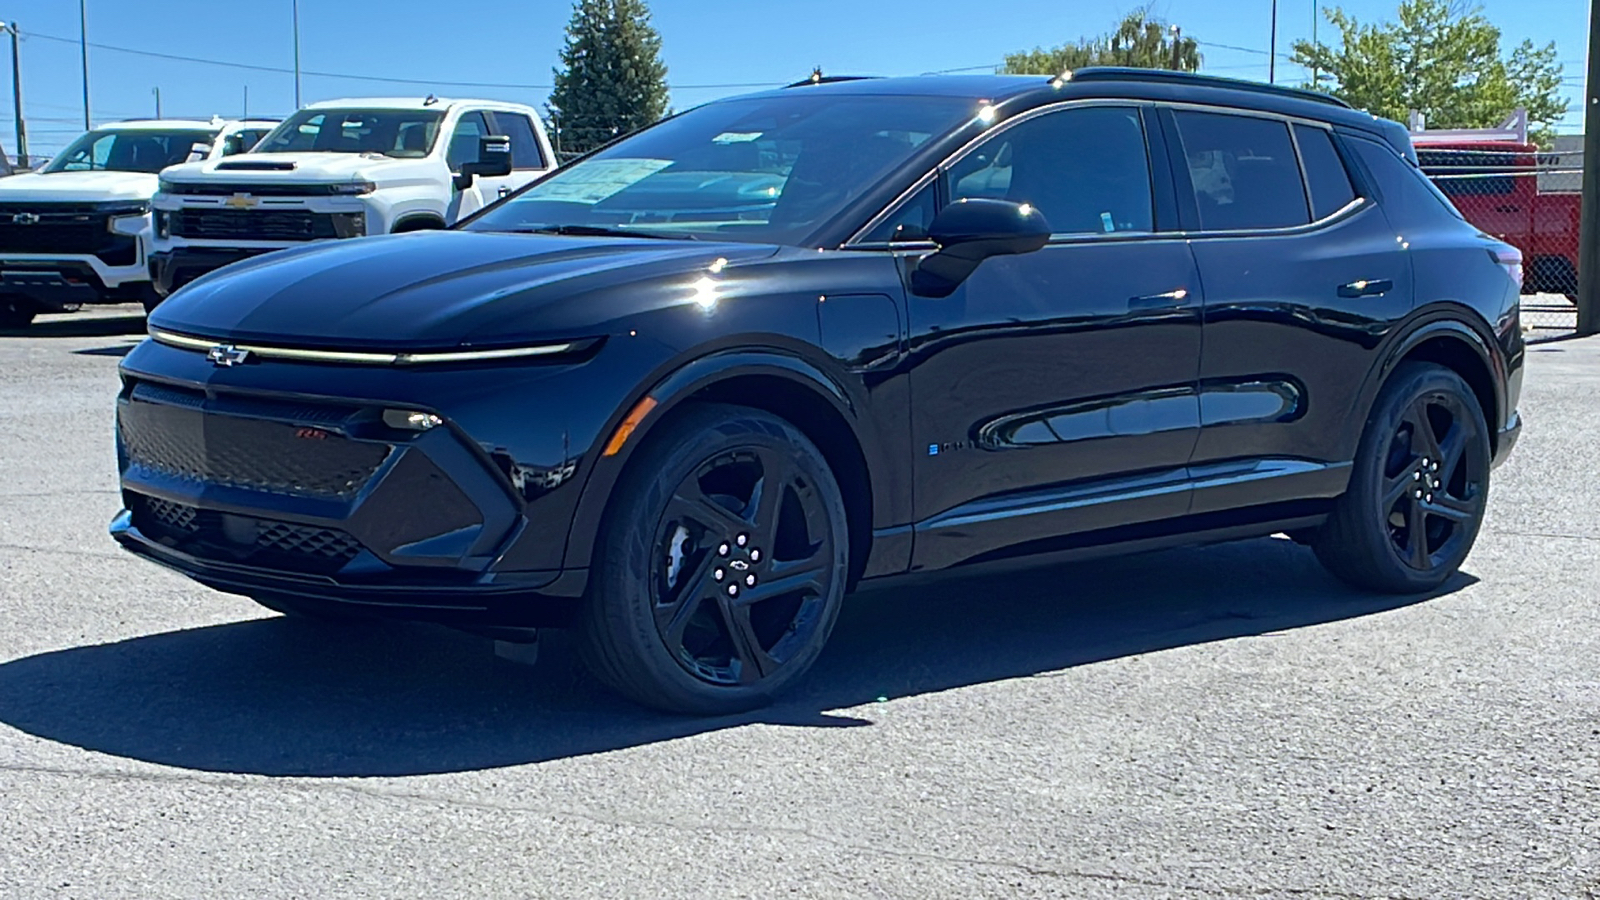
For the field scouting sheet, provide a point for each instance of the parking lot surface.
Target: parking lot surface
(1213, 722)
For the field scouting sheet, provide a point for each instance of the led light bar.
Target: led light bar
(353, 357)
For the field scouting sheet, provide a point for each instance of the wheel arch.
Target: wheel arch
(782, 384)
(425, 221)
(1455, 341)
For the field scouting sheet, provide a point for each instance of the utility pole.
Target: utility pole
(296, 53)
(246, 113)
(1316, 74)
(1177, 47)
(16, 95)
(157, 92)
(83, 47)
(1272, 48)
(1589, 229)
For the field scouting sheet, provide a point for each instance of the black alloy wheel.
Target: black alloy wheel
(722, 564)
(16, 311)
(1419, 489)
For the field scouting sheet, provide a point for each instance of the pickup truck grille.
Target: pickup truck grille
(258, 224)
(62, 229)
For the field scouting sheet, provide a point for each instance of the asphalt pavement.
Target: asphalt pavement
(1218, 722)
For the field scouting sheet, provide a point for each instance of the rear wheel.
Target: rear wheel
(16, 311)
(721, 567)
(1419, 488)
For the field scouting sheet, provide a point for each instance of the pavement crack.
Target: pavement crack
(25, 548)
(1544, 534)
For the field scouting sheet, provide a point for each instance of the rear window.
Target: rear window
(1331, 190)
(1409, 197)
(1244, 172)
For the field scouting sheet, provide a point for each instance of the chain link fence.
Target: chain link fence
(1532, 200)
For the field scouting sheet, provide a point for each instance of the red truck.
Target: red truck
(1496, 184)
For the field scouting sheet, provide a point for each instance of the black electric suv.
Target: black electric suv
(686, 393)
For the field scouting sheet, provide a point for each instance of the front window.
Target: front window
(762, 169)
(402, 133)
(133, 150)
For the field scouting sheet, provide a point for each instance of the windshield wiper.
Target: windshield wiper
(601, 231)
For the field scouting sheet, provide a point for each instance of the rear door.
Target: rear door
(1054, 392)
(1303, 277)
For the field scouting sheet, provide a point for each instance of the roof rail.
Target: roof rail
(828, 79)
(1168, 76)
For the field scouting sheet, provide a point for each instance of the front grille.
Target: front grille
(254, 224)
(62, 229)
(268, 543)
(182, 436)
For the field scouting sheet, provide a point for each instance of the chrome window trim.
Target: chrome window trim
(854, 242)
(356, 357)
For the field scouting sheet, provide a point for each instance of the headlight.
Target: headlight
(355, 187)
(124, 208)
(127, 225)
(164, 186)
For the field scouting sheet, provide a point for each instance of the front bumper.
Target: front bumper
(172, 269)
(56, 284)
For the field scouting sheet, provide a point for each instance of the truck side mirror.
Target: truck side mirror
(494, 160)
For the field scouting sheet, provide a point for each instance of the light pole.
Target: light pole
(1588, 301)
(157, 92)
(16, 95)
(296, 4)
(83, 48)
(1316, 74)
(1272, 48)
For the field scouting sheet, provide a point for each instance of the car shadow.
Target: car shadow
(79, 326)
(277, 696)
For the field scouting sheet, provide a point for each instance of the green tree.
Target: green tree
(1442, 58)
(1141, 41)
(611, 80)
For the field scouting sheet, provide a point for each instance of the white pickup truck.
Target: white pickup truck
(342, 169)
(77, 230)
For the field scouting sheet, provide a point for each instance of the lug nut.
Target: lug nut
(718, 574)
(750, 581)
(1419, 495)
(1416, 476)
(1434, 467)
(722, 550)
(743, 539)
(733, 590)
(755, 555)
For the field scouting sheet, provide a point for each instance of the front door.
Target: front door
(1054, 393)
(463, 148)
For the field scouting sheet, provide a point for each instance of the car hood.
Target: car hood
(297, 168)
(432, 290)
(77, 187)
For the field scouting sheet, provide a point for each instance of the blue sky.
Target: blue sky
(712, 47)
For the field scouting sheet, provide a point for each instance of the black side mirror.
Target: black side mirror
(494, 160)
(969, 232)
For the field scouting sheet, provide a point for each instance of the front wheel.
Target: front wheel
(1418, 490)
(16, 312)
(721, 565)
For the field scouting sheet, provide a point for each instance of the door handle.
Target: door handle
(1152, 301)
(1366, 288)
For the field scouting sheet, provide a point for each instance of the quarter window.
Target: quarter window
(1243, 170)
(1331, 190)
(525, 153)
(1087, 170)
(909, 222)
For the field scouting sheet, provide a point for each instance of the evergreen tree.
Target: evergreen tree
(611, 80)
(1141, 41)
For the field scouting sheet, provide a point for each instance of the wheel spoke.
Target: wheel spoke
(1398, 487)
(673, 617)
(1423, 440)
(766, 499)
(1416, 536)
(1451, 452)
(754, 663)
(787, 578)
(691, 503)
(1447, 507)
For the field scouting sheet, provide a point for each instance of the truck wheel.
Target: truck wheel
(1418, 489)
(721, 566)
(16, 311)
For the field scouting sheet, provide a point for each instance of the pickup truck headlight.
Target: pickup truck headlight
(355, 187)
(125, 218)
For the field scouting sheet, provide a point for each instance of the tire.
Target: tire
(309, 611)
(711, 592)
(1427, 435)
(16, 312)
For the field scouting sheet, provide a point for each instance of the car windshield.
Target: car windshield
(762, 169)
(404, 133)
(130, 150)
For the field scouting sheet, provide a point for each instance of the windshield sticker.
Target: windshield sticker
(598, 179)
(737, 137)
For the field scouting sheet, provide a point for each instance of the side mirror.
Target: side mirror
(494, 160)
(969, 232)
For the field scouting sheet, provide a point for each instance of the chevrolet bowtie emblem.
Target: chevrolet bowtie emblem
(242, 201)
(25, 218)
(227, 355)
